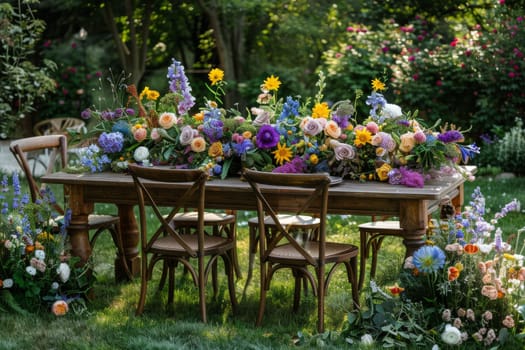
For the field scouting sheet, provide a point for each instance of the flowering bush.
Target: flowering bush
(281, 136)
(465, 286)
(35, 269)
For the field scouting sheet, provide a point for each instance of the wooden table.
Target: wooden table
(411, 205)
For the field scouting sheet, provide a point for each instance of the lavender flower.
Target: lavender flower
(296, 165)
(242, 147)
(85, 114)
(375, 100)
(179, 84)
(213, 128)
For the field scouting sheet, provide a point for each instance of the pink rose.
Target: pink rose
(140, 134)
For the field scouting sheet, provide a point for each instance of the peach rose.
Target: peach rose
(407, 142)
(332, 129)
(382, 172)
(140, 134)
(215, 150)
(167, 120)
(198, 144)
(490, 292)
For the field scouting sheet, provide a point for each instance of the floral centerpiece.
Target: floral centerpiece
(277, 135)
(464, 287)
(36, 271)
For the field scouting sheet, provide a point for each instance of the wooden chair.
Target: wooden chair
(58, 126)
(302, 224)
(168, 245)
(56, 147)
(371, 236)
(283, 250)
(216, 223)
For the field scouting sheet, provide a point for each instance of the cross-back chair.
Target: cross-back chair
(172, 246)
(56, 150)
(283, 250)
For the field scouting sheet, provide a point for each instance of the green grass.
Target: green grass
(110, 323)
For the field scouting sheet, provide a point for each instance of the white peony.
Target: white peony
(391, 111)
(63, 272)
(40, 254)
(367, 340)
(8, 283)
(141, 154)
(31, 270)
(451, 335)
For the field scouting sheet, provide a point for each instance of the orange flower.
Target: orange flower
(471, 249)
(30, 249)
(60, 308)
(453, 273)
(396, 290)
(215, 149)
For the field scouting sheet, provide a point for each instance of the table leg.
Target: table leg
(413, 220)
(78, 227)
(130, 241)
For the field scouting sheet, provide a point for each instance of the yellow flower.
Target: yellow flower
(152, 95)
(382, 172)
(378, 85)
(509, 256)
(272, 83)
(314, 159)
(199, 116)
(282, 154)
(215, 75)
(320, 110)
(362, 137)
(215, 149)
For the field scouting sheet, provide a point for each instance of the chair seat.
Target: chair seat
(210, 218)
(334, 252)
(303, 221)
(97, 220)
(212, 244)
(382, 227)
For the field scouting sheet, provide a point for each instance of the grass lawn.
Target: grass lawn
(109, 321)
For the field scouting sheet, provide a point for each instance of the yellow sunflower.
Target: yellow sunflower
(216, 75)
(282, 154)
(362, 137)
(378, 85)
(272, 83)
(321, 110)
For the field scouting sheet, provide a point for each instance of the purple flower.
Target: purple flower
(375, 100)
(450, 136)
(242, 147)
(107, 115)
(111, 142)
(213, 129)
(179, 84)
(296, 165)
(130, 111)
(267, 137)
(85, 114)
(405, 176)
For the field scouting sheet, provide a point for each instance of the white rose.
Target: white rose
(8, 283)
(141, 154)
(63, 272)
(391, 111)
(40, 254)
(367, 340)
(31, 270)
(451, 335)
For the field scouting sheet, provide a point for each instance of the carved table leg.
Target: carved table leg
(413, 220)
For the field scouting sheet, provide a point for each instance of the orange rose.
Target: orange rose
(215, 150)
(60, 308)
(198, 144)
(332, 129)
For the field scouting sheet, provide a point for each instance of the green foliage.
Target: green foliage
(511, 149)
(23, 82)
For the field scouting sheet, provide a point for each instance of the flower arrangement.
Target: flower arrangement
(277, 135)
(465, 286)
(36, 271)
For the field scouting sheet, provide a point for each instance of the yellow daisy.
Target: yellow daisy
(152, 95)
(320, 110)
(282, 154)
(378, 85)
(272, 83)
(215, 75)
(362, 137)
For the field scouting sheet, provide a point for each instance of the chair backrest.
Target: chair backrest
(315, 201)
(57, 147)
(143, 178)
(59, 126)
